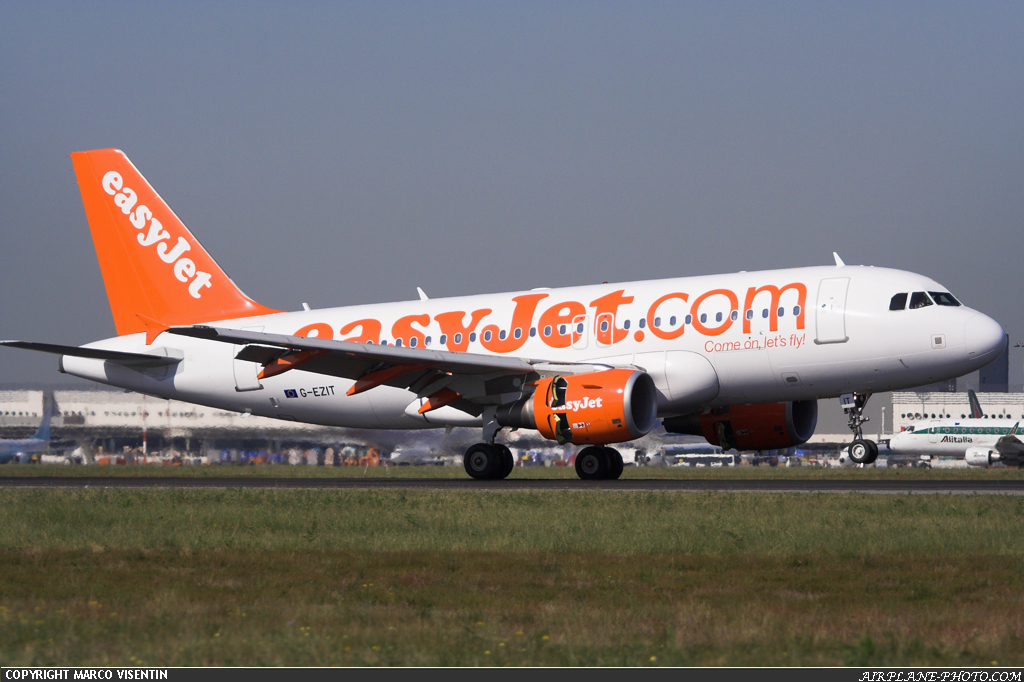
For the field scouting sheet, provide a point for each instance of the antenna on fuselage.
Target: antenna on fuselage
(839, 261)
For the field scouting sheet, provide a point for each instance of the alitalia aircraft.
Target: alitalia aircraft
(981, 442)
(740, 358)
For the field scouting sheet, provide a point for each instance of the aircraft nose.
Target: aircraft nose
(984, 338)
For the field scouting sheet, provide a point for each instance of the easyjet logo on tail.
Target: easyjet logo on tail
(184, 269)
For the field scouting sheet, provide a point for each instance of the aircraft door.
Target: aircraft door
(579, 332)
(933, 432)
(245, 372)
(830, 314)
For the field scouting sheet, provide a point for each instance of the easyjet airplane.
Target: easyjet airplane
(740, 359)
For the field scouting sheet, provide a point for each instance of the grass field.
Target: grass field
(650, 472)
(310, 577)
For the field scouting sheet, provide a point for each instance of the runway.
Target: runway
(952, 486)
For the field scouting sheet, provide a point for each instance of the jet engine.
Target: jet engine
(612, 406)
(981, 457)
(766, 426)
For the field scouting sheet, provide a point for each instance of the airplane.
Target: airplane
(21, 449)
(979, 440)
(740, 359)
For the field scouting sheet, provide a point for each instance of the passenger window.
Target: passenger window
(458, 338)
(919, 299)
(642, 323)
(472, 337)
(487, 335)
(533, 332)
(782, 311)
(501, 335)
(703, 318)
(547, 330)
(444, 339)
(898, 302)
(672, 321)
(518, 333)
(625, 325)
(734, 315)
(604, 326)
(718, 317)
(413, 341)
(689, 319)
(944, 298)
(750, 314)
(796, 310)
(764, 314)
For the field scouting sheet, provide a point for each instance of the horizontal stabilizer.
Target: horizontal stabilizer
(121, 357)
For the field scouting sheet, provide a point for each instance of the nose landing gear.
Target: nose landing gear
(862, 451)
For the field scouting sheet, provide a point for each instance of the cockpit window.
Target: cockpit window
(944, 298)
(919, 299)
(898, 302)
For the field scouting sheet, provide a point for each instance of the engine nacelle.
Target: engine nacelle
(767, 426)
(981, 457)
(612, 406)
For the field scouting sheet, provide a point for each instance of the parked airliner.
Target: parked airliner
(22, 449)
(979, 440)
(740, 358)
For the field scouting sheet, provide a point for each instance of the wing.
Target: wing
(467, 381)
(1010, 444)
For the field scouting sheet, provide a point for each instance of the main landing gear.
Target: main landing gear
(862, 451)
(490, 461)
(494, 461)
(598, 463)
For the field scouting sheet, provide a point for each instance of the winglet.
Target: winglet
(839, 261)
(423, 295)
(1013, 431)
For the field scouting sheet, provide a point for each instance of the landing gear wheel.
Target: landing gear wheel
(863, 451)
(508, 462)
(593, 463)
(483, 461)
(615, 459)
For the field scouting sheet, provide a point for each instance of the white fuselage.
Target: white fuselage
(706, 341)
(949, 437)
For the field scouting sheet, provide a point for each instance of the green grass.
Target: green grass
(366, 577)
(741, 472)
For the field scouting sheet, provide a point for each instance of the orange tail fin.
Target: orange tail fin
(156, 273)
